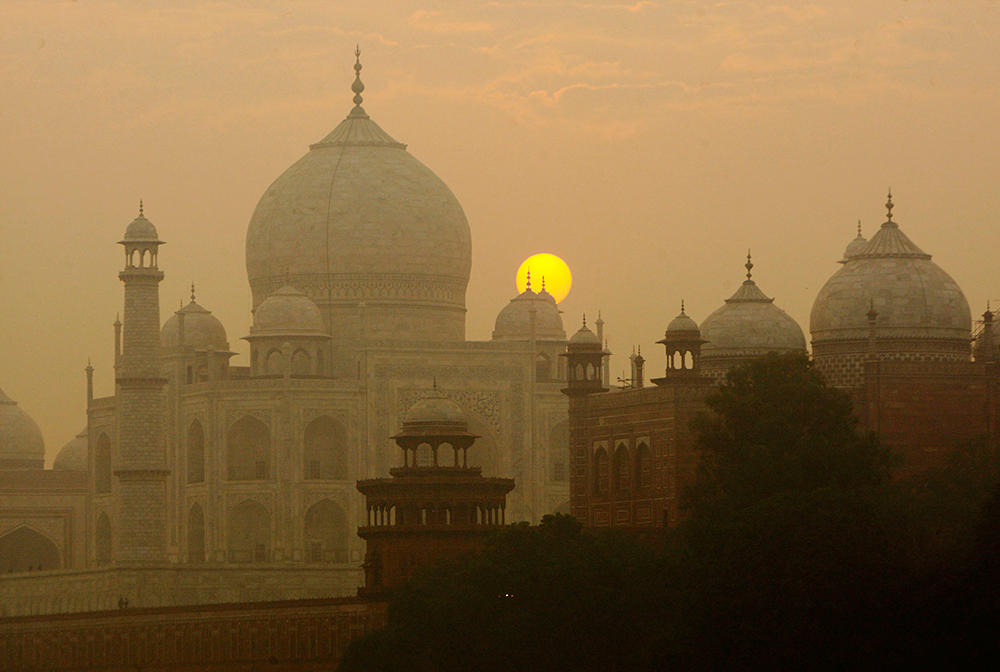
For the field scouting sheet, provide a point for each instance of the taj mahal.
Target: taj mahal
(206, 481)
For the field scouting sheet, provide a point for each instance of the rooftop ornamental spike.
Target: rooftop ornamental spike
(888, 206)
(192, 292)
(528, 285)
(357, 87)
(140, 207)
(748, 265)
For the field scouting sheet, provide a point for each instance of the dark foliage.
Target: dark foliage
(546, 598)
(777, 427)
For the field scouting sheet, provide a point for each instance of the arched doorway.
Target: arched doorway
(326, 533)
(25, 550)
(248, 450)
(249, 533)
(325, 442)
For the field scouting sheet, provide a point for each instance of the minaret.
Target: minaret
(140, 457)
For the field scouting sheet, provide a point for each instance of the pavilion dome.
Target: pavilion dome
(201, 329)
(913, 296)
(359, 219)
(73, 456)
(513, 323)
(584, 336)
(21, 442)
(287, 311)
(141, 229)
(682, 323)
(436, 409)
(749, 325)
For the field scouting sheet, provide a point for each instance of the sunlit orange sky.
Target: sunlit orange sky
(648, 144)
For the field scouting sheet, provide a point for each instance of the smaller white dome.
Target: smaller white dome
(201, 329)
(287, 311)
(749, 325)
(73, 456)
(21, 442)
(855, 247)
(514, 321)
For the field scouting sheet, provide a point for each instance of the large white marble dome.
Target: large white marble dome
(915, 299)
(21, 442)
(359, 219)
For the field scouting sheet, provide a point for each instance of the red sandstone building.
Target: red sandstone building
(890, 328)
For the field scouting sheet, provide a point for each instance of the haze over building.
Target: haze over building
(206, 481)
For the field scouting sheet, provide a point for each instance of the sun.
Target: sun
(548, 267)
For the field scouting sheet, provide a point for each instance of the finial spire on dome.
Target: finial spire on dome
(140, 207)
(585, 320)
(192, 292)
(528, 285)
(682, 306)
(357, 87)
(888, 206)
(748, 266)
(543, 283)
(859, 228)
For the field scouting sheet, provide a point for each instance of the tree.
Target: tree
(777, 427)
(786, 536)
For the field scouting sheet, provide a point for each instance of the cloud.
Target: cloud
(430, 21)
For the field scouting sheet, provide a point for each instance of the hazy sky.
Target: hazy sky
(648, 144)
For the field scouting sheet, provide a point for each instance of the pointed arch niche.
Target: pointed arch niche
(26, 550)
(196, 453)
(326, 533)
(249, 533)
(248, 450)
(325, 449)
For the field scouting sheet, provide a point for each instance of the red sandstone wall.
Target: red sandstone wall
(658, 416)
(288, 635)
(923, 410)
